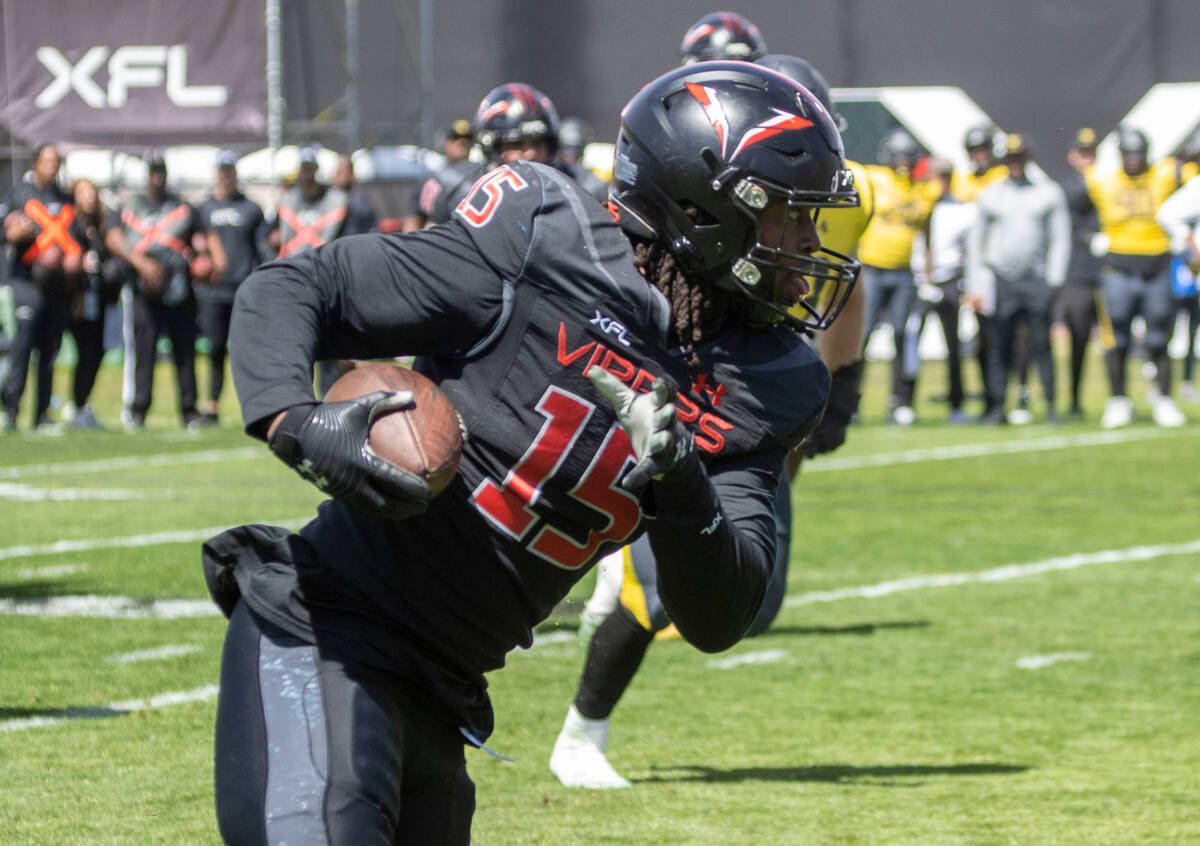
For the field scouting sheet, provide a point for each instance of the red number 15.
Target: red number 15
(509, 505)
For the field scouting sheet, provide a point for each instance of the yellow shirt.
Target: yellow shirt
(1126, 206)
(965, 185)
(840, 229)
(902, 209)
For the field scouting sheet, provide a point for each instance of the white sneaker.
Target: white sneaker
(1167, 414)
(578, 757)
(903, 415)
(1118, 411)
(1188, 392)
(1020, 416)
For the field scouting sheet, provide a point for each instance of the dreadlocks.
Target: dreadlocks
(698, 311)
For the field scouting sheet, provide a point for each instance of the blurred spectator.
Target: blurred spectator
(459, 139)
(1022, 240)
(159, 235)
(1179, 215)
(99, 289)
(902, 209)
(309, 214)
(459, 170)
(983, 169)
(1136, 275)
(44, 268)
(939, 265)
(361, 217)
(242, 229)
(1077, 297)
(573, 136)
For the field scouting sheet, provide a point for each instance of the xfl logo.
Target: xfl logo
(143, 66)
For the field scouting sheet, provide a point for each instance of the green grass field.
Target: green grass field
(991, 637)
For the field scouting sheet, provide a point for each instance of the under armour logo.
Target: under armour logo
(306, 470)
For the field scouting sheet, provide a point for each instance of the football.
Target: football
(426, 439)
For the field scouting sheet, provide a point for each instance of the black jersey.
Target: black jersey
(162, 229)
(441, 192)
(508, 306)
(240, 224)
(51, 211)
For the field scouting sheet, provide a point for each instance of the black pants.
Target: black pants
(42, 314)
(150, 319)
(214, 317)
(1077, 310)
(946, 309)
(312, 749)
(1022, 302)
(1189, 305)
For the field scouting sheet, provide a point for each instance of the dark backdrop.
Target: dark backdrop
(1045, 67)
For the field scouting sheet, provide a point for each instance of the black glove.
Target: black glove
(326, 444)
(839, 411)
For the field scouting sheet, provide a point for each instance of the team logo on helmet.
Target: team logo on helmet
(772, 126)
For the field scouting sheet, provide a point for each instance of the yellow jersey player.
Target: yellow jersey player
(1135, 278)
(902, 210)
(980, 144)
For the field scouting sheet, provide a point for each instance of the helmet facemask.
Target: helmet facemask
(774, 254)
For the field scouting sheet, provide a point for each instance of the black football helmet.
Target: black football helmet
(979, 138)
(722, 35)
(802, 71)
(514, 112)
(703, 152)
(1134, 147)
(899, 150)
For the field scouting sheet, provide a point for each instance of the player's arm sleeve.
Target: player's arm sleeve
(361, 297)
(1180, 212)
(713, 536)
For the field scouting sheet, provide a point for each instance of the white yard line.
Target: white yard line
(766, 656)
(157, 653)
(129, 542)
(133, 462)
(113, 709)
(1037, 662)
(112, 607)
(915, 456)
(14, 492)
(51, 572)
(997, 574)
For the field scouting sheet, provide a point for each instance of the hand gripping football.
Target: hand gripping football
(426, 439)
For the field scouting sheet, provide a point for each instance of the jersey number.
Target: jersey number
(488, 187)
(509, 506)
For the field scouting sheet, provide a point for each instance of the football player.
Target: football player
(514, 122)
(1136, 275)
(621, 620)
(902, 209)
(722, 35)
(610, 365)
(980, 144)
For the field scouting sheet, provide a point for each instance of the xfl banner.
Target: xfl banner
(133, 73)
